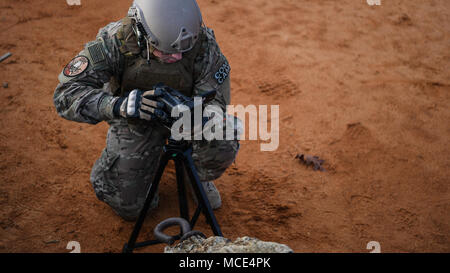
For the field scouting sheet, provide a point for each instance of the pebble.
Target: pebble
(5, 85)
(51, 242)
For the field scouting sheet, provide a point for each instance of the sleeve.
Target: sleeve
(80, 95)
(214, 72)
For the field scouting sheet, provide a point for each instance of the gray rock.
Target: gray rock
(197, 244)
(5, 85)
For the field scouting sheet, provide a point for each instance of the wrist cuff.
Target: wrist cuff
(117, 104)
(106, 107)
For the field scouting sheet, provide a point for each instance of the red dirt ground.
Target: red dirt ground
(364, 87)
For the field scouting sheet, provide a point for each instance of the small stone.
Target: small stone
(51, 242)
(5, 85)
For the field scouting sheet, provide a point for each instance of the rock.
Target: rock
(51, 242)
(5, 85)
(197, 244)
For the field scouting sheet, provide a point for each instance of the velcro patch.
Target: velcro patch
(222, 74)
(76, 66)
(96, 53)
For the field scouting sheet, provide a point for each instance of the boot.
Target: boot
(213, 194)
(211, 191)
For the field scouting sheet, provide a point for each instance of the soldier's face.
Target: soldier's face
(167, 58)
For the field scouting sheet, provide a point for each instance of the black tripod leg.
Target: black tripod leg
(182, 199)
(151, 193)
(195, 216)
(200, 193)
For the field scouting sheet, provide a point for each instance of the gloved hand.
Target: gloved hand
(141, 104)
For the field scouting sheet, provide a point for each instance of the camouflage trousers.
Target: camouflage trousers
(123, 174)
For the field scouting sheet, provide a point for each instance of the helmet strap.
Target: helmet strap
(148, 50)
(140, 37)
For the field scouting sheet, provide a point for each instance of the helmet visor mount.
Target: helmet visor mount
(184, 42)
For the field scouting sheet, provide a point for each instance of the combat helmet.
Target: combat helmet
(171, 26)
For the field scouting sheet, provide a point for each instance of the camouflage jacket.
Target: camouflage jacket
(88, 96)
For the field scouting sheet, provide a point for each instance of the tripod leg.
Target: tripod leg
(151, 193)
(182, 199)
(200, 193)
(195, 216)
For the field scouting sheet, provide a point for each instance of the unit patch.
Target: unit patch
(223, 72)
(77, 66)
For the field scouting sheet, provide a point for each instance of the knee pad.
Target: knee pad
(212, 159)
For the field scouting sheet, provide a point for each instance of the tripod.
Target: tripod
(181, 153)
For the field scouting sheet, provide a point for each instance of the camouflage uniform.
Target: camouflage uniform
(123, 173)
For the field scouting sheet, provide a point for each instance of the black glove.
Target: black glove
(142, 105)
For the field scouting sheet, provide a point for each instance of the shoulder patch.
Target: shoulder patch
(76, 66)
(222, 74)
(96, 52)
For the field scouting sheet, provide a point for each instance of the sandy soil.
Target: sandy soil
(365, 88)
